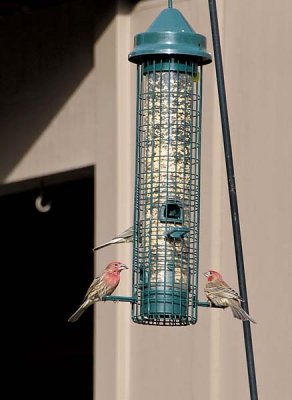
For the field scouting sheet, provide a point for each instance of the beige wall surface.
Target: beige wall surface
(207, 361)
(76, 107)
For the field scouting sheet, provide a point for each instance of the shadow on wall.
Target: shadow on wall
(48, 261)
(46, 51)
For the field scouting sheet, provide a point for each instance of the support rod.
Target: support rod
(124, 299)
(232, 196)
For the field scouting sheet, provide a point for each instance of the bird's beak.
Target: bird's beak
(206, 274)
(123, 266)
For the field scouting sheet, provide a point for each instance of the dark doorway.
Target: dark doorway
(47, 265)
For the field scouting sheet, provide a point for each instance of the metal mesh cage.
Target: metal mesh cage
(166, 219)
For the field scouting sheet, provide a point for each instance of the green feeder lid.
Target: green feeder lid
(170, 34)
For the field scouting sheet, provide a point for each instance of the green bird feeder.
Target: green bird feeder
(169, 58)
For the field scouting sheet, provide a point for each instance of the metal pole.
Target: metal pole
(232, 196)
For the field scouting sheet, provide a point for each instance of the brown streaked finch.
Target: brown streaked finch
(220, 294)
(102, 285)
(124, 237)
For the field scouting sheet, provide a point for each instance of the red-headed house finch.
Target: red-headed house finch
(102, 285)
(124, 237)
(220, 294)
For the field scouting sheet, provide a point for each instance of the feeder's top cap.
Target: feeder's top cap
(170, 34)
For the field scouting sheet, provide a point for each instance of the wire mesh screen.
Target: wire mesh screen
(166, 220)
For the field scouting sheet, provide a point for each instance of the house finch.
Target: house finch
(125, 237)
(101, 286)
(222, 295)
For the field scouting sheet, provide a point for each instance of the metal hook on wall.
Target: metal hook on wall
(42, 204)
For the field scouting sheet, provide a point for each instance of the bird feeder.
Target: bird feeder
(169, 58)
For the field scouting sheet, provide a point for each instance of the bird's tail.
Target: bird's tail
(101, 246)
(239, 313)
(74, 317)
(113, 241)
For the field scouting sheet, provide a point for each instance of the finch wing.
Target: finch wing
(94, 287)
(221, 289)
(125, 234)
